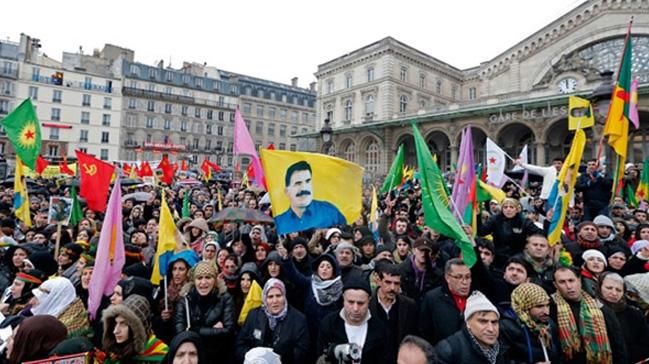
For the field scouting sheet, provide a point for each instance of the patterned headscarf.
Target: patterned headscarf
(205, 269)
(273, 320)
(526, 296)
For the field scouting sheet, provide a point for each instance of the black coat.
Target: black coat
(332, 333)
(290, 339)
(458, 348)
(524, 345)
(406, 317)
(204, 313)
(509, 235)
(439, 316)
(636, 332)
(409, 287)
(596, 191)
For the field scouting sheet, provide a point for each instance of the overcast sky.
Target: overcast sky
(280, 39)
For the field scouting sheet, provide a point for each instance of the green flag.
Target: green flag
(186, 205)
(24, 132)
(396, 172)
(76, 215)
(436, 202)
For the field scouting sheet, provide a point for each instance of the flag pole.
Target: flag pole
(165, 291)
(58, 243)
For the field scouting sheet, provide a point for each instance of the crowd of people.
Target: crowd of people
(397, 293)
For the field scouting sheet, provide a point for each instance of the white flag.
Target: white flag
(523, 158)
(495, 164)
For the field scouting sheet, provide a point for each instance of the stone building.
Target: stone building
(371, 95)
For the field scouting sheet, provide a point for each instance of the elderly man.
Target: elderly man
(354, 324)
(477, 342)
(588, 331)
(346, 253)
(527, 328)
(415, 350)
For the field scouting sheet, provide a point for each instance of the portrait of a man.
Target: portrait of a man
(304, 212)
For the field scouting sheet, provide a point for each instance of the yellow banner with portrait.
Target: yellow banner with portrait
(51, 171)
(309, 190)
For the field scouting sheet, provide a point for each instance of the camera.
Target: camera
(348, 353)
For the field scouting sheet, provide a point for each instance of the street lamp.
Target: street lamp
(326, 132)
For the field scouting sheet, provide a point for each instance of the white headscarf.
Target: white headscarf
(54, 296)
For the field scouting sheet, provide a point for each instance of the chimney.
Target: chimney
(312, 86)
(161, 64)
(294, 81)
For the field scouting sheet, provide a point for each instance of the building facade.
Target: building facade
(371, 95)
(8, 84)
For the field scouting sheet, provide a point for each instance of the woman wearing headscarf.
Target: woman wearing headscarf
(34, 338)
(185, 348)
(127, 336)
(208, 310)
(57, 297)
(593, 267)
(276, 325)
(67, 259)
(247, 275)
(12, 263)
(20, 291)
(196, 232)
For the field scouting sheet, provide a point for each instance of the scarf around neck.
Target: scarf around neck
(326, 292)
(490, 352)
(273, 320)
(591, 334)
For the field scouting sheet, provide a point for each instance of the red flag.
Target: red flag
(126, 168)
(184, 166)
(167, 170)
(95, 180)
(205, 167)
(145, 170)
(271, 146)
(237, 167)
(214, 166)
(41, 164)
(64, 167)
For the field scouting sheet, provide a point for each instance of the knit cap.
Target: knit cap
(205, 269)
(140, 307)
(590, 253)
(478, 302)
(639, 245)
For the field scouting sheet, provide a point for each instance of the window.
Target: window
(370, 74)
(2, 148)
(87, 83)
(348, 110)
(169, 90)
(271, 129)
(221, 101)
(350, 152)
(56, 114)
(183, 125)
(231, 117)
(247, 107)
(152, 73)
(132, 84)
(152, 87)
(330, 86)
(219, 130)
(260, 111)
(167, 124)
(83, 135)
(168, 108)
(271, 113)
(454, 92)
(85, 101)
(208, 128)
(149, 122)
(148, 138)
(472, 93)
(422, 81)
(150, 106)
(53, 150)
(186, 78)
(404, 74)
(221, 114)
(197, 112)
(56, 96)
(54, 133)
(4, 109)
(7, 68)
(105, 120)
(438, 86)
(369, 105)
(210, 114)
(403, 103)
(348, 81)
(132, 103)
(305, 117)
(36, 73)
(282, 146)
(259, 127)
(372, 157)
(293, 130)
(282, 130)
(85, 150)
(195, 143)
(282, 114)
(135, 70)
(103, 154)
(85, 117)
(208, 144)
(293, 147)
(104, 136)
(294, 116)
(183, 140)
(183, 110)
(33, 92)
(169, 76)
(108, 103)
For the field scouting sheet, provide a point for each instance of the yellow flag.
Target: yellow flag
(617, 125)
(21, 199)
(586, 120)
(170, 241)
(374, 206)
(244, 180)
(220, 199)
(252, 301)
(495, 192)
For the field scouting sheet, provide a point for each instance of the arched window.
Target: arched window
(350, 152)
(403, 103)
(372, 157)
(348, 110)
(369, 104)
(331, 150)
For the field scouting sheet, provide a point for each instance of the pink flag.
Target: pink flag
(633, 105)
(110, 252)
(243, 144)
(464, 175)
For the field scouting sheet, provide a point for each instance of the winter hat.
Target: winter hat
(140, 307)
(344, 245)
(261, 356)
(382, 248)
(639, 284)
(602, 220)
(205, 269)
(357, 283)
(199, 223)
(590, 253)
(74, 250)
(639, 245)
(299, 241)
(477, 302)
(332, 231)
(250, 268)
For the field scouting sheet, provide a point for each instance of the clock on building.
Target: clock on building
(567, 85)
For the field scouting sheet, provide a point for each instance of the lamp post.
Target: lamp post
(326, 133)
(600, 98)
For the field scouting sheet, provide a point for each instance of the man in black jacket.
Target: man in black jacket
(355, 325)
(419, 273)
(398, 312)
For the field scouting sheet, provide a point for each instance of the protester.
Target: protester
(185, 348)
(34, 338)
(415, 350)
(57, 297)
(419, 273)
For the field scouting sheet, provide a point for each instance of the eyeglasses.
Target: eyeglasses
(461, 277)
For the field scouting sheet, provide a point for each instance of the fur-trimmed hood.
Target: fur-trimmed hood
(137, 333)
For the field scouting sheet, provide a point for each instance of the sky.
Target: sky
(282, 39)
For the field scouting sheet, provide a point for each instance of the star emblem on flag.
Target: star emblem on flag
(27, 137)
(492, 160)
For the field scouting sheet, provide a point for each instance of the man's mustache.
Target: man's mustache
(303, 193)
